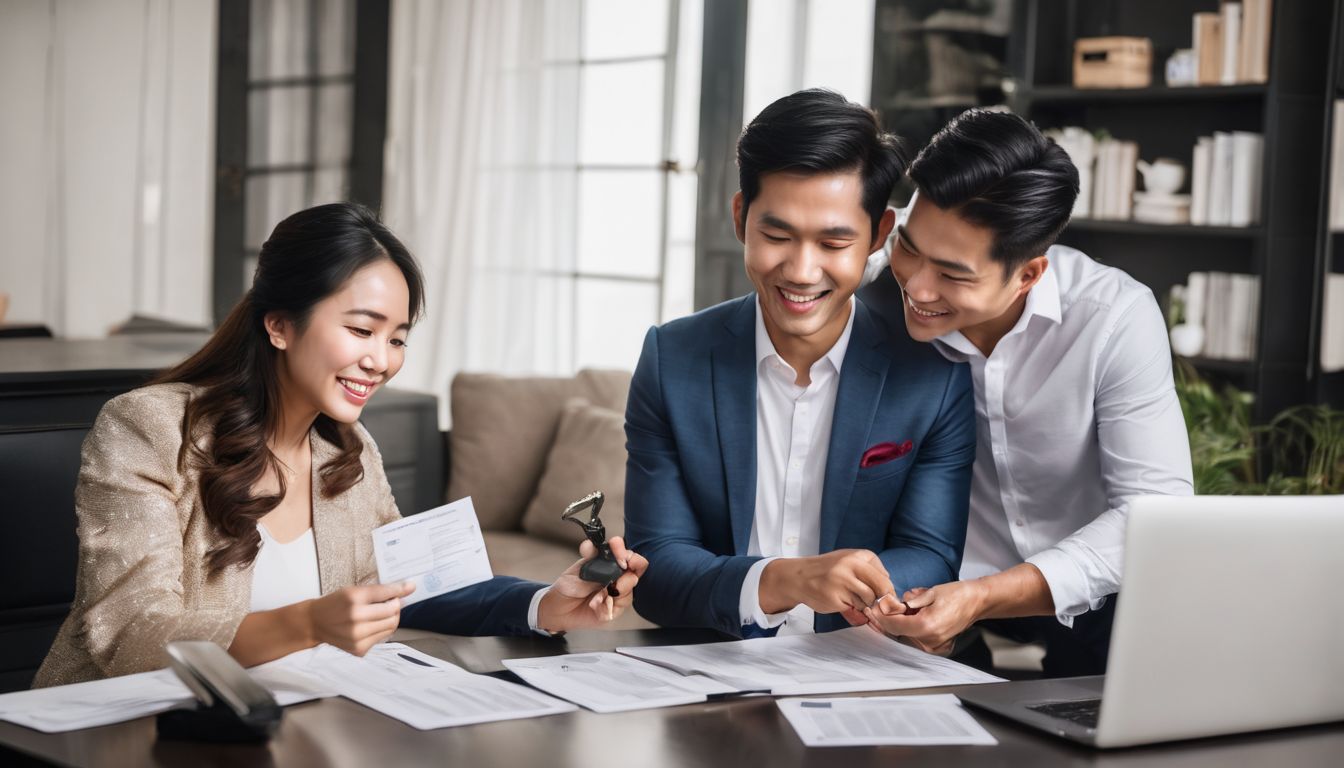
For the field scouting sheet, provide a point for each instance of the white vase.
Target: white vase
(1187, 340)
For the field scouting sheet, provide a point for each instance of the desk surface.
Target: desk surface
(741, 732)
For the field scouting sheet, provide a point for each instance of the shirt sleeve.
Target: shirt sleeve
(749, 604)
(1144, 449)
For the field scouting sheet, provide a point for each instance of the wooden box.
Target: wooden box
(1112, 62)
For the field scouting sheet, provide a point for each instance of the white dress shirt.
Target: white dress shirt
(1075, 413)
(793, 434)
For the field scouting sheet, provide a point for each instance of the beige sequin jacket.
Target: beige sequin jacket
(143, 539)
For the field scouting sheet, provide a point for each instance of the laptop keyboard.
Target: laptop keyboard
(1083, 712)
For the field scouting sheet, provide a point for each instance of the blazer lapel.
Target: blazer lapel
(331, 525)
(862, 378)
(733, 370)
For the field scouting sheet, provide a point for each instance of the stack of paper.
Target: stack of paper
(884, 721)
(425, 692)
(118, 699)
(609, 682)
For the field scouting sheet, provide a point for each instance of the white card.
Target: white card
(440, 550)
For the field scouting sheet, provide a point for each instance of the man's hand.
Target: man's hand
(573, 603)
(931, 619)
(845, 581)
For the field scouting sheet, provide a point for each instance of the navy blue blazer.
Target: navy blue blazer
(690, 482)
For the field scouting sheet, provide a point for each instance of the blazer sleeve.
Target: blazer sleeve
(130, 593)
(686, 584)
(928, 530)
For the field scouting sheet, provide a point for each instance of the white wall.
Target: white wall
(106, 160)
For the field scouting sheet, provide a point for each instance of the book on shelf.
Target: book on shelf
(1247, 154)
(1113, 179)
(1332, 324)
(1337, 169)
(1199, 180)
(1226, 179)
(1208, 47)
(1253, 59)
(1227, 307)
(1230, 14)
(1231, 45)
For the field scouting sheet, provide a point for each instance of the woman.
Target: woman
(233, 499)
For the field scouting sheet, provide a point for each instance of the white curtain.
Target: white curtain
(107, 146)
(481, 181)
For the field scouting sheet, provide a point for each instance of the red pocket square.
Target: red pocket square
(884, 452)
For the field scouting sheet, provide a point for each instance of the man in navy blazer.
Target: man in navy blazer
(792, 459)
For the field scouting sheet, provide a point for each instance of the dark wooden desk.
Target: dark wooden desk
(739, 733)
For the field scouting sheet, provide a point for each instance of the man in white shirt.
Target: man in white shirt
(791, 458)
(1076, 411)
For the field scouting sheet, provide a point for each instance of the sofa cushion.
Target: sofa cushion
(502, 430)
(528, 557)
(588, 455)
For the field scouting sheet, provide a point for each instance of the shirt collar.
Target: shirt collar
(1042, 301)
(835, 355)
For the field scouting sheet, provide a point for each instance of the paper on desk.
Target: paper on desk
(845, 661)
(425, 692)
(118, 699)
(608, 682)
(883, 720)
(440, 550)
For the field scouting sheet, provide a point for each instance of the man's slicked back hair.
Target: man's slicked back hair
(818, 131)
(998, 171)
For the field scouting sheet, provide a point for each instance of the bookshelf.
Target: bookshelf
(1289, 245)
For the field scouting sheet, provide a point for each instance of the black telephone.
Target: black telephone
(232, 707)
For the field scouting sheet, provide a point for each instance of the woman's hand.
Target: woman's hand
(355, 619)
(572, 603)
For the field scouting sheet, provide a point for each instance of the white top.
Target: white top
(793, 434)
(1075, 413)
(284, 574)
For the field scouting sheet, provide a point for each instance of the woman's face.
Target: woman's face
(354, 342)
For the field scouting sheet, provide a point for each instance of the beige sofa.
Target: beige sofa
(524, 448)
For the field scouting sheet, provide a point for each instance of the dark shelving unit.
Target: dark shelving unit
(1046, 94)
(1289, 111)
(1121, 227)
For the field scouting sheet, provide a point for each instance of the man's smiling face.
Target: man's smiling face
(807, 241)
(948, 280)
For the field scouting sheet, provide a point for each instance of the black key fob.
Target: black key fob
(602, 569)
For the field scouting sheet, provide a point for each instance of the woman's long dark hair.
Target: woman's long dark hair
(308, 257)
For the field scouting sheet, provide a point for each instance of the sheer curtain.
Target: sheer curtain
(107, 146)
(481, 181)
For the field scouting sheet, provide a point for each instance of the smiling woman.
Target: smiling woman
(232, 500)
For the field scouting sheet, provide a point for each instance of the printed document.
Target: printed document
(440, 550)
(425, 692)
(608, 682)
(118, 699)
(883, 721)
(845, 661)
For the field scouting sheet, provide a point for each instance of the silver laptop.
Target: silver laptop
(1231, 620)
